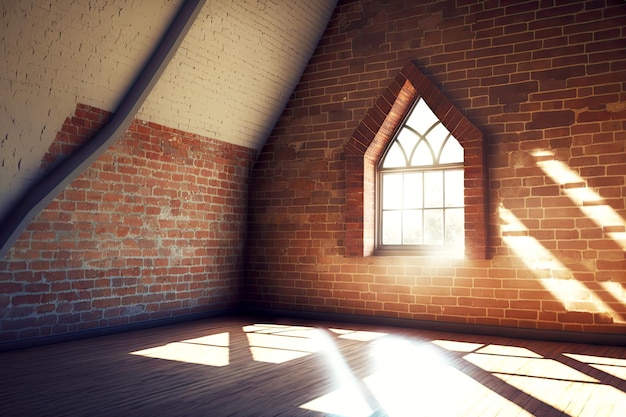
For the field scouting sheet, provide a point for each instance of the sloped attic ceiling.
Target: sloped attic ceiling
(229, 80)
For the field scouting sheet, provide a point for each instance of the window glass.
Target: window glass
(452, 152)
(433, 227)
(437, 136)
(412, 227)
(422, 155)
(454, 184)
(395, 157)
(408, 140)
(392, 224)
(392, 191)
(422, 118)
(454, 226)
(433, 189)
(421, 186)
(413, 190)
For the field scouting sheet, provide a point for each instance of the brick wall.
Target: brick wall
(545, 82)
(154, 229)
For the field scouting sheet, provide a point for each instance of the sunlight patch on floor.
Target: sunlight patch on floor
(575, 398)
(612, 366)
(414, 380)
(407, 377)
(274, 355)
(212, 350)
(456, 346)
(359, 335)
(345, 402)
(348, 400)
(279, 344)
(554, 383)
(514, 351)
(527, 366)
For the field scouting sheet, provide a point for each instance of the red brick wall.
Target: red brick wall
(545, 81)
(154, 229)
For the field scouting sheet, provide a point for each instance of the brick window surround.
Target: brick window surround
(369, 141)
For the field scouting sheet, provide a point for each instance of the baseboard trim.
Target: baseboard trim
(106, 331)
(475, 329)
(276, 315)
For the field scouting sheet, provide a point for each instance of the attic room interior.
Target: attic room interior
(332, 207)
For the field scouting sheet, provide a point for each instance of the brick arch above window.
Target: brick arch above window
(369, 141)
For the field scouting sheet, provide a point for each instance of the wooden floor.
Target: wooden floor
(251, 367)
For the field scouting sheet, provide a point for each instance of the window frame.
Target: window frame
(368, 142)
(413, 249)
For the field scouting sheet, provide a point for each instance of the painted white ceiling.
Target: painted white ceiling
(229, 80)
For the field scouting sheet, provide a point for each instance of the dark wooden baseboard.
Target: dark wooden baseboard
(105, 331)
(475, 329)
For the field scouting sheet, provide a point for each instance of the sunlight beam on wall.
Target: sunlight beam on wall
(587, 200)
(552, 273)
(616, 290)
(577, 297)
(539, 259)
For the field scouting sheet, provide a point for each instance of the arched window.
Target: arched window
(420, 185)
(442, 152)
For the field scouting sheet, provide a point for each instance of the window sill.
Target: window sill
(434, 252)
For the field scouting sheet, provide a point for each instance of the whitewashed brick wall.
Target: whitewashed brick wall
(229, 80)
(54, 54)
(237, 68)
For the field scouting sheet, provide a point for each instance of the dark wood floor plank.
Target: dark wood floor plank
(292, 368)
